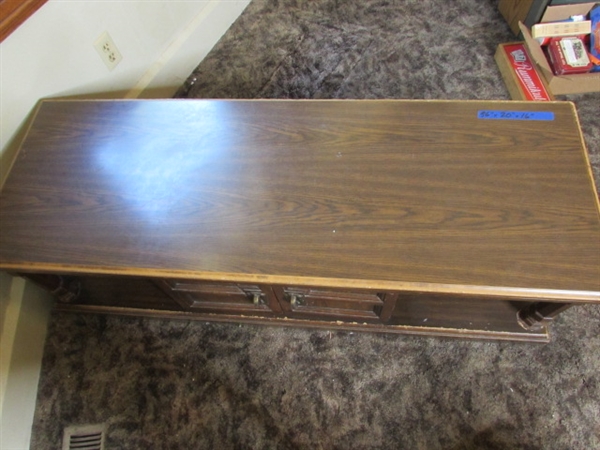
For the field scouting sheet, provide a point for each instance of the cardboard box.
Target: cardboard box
(515, 11)
(563, 84)
(518, 70)
(562, 12)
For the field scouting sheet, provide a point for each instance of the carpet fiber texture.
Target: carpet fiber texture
(165, 384)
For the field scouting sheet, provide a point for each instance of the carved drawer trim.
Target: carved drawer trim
(224, 298)
(334, 304)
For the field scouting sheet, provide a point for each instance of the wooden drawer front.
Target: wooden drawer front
(339, 305)
(224, 298)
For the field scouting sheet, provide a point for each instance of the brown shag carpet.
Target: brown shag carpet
(162, 384)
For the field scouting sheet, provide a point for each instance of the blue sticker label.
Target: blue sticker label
(514, 115)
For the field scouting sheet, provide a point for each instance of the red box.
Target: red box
(519, 73)
(568, 55)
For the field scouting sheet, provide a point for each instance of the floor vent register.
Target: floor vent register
(84, 437)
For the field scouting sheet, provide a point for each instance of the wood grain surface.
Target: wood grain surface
(514, 11)
(391, 194)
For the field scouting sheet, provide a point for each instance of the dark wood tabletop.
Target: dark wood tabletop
(374, 194)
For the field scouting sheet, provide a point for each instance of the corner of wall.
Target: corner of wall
(187, 50)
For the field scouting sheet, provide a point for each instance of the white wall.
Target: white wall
(52, 55)
(21, 353)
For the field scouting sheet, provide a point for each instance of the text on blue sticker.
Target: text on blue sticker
(515, 115)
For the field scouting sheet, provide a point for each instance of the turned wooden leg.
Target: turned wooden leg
(65, 289)
(539, 315)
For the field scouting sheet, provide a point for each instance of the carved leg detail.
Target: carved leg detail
(65, 289)
(539, 315)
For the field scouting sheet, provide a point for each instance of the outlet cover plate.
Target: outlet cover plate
(108, 51)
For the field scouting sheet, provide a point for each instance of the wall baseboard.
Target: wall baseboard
(187, 50)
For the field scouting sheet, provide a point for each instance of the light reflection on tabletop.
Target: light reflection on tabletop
(156, 171)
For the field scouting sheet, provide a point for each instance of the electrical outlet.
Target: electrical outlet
(108, 51)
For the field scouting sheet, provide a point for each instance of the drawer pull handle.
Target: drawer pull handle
(256, 299)
(296, 300)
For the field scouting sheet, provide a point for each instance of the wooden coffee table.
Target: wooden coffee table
(450, 218)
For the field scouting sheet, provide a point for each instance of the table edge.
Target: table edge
(518, 293)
